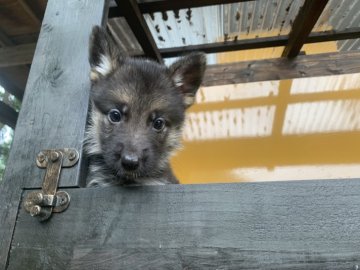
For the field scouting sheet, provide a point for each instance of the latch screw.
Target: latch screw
(41, 157)
(39, 198)
(72, 155)
(35, 210)
(54, 156)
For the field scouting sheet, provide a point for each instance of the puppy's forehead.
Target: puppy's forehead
(142, 100)
(122, 95)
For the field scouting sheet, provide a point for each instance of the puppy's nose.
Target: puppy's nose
(130, 162)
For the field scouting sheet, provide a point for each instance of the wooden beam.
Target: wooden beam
(4, 39)
(30, 12)
(245, 44)
(11, 88)
(283, 68)
(54, 110)
(303, 24)
(139, 27)
(350, 33)
(8, 115)
(278, 225)
(16, 85)
(165, 5)
(17, 55)
(258, 43)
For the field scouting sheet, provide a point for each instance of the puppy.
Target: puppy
(137, 114)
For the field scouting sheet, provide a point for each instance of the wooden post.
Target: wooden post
(55, 104)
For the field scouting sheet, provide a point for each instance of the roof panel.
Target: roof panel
(239, 21)
(338, 16)
(243, 20)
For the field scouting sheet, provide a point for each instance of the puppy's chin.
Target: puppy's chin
(130, 175)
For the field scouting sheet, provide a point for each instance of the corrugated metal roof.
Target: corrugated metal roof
(261, 18)
(339, 16)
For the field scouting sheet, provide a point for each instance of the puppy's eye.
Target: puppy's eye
(114, 116)
(159, 124)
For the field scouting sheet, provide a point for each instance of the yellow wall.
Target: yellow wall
(280, 130)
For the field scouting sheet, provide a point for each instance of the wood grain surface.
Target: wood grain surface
(280, 225)
(282, 68)
(54, 107)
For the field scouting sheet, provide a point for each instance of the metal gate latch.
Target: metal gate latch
(42, 203)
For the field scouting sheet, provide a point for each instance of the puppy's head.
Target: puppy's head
(138, 107)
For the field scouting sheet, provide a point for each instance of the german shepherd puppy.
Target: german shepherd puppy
(137, 113)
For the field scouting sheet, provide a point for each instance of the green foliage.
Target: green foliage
(6, 133)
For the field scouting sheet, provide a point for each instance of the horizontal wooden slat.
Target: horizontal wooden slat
(216, 47)
(245, 44)
(283, 68)
(165, 5)
(283, 225)
(331, 35)
(17, 55)
(258, 43)
(8, 115)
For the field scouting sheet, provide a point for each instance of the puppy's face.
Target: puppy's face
(138, 107)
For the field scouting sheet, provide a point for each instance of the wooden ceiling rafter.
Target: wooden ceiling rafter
(139, 27)
(10, 87)
(8, 115)
(5, 40)
(30, 12)
(303, 25)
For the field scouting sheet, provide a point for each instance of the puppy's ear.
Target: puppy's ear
(103, 55)
(187, 74)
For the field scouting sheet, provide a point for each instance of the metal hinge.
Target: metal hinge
(41, 204)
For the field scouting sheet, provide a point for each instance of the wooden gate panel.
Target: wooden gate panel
(292, 225)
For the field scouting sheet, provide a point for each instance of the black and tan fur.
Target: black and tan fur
(137, 113)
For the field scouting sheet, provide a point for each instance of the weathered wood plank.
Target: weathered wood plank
(8, 115)
(302, 26)
(283, 225)
(244, 44)
(54, 108)
(17, 55)
(283, 68)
